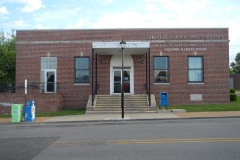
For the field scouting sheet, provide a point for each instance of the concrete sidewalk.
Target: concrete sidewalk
(136, 116)
(102, 117)
(145, 116)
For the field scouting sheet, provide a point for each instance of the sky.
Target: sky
(105, 14)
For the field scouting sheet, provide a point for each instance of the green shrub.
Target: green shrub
(232, 90)
(233, 97)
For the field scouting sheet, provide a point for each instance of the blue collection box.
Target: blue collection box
(163, 99)
(30, 112)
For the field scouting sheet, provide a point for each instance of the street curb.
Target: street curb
(120, 120)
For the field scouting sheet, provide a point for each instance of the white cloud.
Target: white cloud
(158, 14)
(31, 5)
(177, 14)
(73, 11)
(3, 10)
(80, 23)
(106, 2)
(19, 24)
(43, 17)
(40, 26)
(127, 19)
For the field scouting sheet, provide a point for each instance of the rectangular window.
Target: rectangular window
(48, 75)
(195, 69)
(48, 62)
(81, 70)
(161, 69)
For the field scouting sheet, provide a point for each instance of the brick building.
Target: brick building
(66, 67)
(235, 81)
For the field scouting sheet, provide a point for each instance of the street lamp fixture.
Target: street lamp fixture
(123, 45)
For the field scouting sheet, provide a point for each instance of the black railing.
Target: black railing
(49, 87)
(148, 79)
(148, 95)
(7, 87)
(94, 93)
(42, 87)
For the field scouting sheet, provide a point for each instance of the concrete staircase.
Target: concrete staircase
(112, 104)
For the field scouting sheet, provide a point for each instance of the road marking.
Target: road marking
(153, 141)
(166, 141)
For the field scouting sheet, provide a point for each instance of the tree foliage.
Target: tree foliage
(7, 57)
(236, 65)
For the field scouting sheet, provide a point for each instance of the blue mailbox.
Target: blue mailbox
(163, 100)
(30, 112)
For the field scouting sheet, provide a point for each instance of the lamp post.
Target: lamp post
(122, 44)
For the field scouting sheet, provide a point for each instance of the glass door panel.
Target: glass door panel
(126, 81)
(117, 81)
(117, 77)
(50, 80)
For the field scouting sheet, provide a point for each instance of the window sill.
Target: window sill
(196, 83)
(81, 84)
(161, 83)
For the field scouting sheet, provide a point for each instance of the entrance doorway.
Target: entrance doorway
(116, 75)
(117, 79)
(49, 81)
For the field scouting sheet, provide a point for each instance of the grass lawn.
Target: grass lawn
(232, 106)
(64, 112)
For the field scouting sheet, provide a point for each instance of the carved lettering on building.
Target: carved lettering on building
(186, 47)
(185, 37)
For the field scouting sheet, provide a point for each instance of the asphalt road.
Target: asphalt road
(180, 139)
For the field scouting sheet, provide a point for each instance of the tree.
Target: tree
(231, 71)
(7, 57)
(236, 65)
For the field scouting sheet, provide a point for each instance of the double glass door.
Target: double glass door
(117, 79)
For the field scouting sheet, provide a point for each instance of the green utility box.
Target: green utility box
(16, 112)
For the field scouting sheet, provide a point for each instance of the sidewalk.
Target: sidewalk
(146, 116)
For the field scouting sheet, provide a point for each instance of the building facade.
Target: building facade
(235, 81)
(67, 66)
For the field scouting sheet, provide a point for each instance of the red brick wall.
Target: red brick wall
(139, 74)
(216, 78)
(43, 102)
(236, 81)
(67, 44)
(103, 77)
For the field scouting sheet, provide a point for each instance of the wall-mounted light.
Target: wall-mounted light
(160, 54)
(81, 53)
(142, 61)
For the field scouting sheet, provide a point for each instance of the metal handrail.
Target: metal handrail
(31, 87)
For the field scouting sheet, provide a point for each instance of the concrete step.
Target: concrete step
(119, 112)
(119, 104)
(119, 109)
(112, 104)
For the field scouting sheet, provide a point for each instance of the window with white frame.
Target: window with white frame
(48, 74)
(195, 69)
